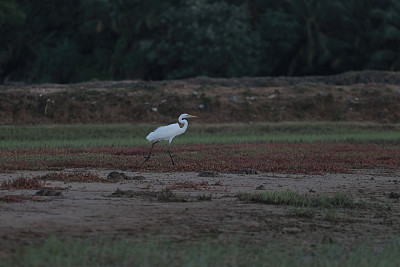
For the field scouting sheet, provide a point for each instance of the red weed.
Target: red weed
(75, 176)
(315, 158)
(22, 183)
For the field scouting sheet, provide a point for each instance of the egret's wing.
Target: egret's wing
(164, 133)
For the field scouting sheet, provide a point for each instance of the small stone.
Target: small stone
(50, 193)
(260, 187)
(394, 195)
(117, 176)
(208, 174)
(291, 230)
(123, 193)
(311, 191)
(137, 178)
(248, 171)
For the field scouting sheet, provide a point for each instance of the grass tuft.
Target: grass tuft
(166, 195)
(291, 198)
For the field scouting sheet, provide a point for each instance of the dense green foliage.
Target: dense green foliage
(77, 40)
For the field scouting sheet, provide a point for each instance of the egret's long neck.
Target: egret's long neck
(185, 124)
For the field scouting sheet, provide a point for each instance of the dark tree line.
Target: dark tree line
(76, 40)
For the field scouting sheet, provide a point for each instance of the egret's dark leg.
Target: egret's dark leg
(151, 149)
(173, 163)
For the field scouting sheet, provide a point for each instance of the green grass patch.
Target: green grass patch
(165, 252)
(291, 198)
(132, 135)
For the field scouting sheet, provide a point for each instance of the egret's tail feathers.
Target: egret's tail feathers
(150, 137)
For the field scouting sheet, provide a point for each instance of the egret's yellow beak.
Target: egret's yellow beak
(193, 116)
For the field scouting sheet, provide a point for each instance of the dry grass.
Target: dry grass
(291, 198)
(23, 183)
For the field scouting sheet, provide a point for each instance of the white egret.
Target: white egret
(167, 133)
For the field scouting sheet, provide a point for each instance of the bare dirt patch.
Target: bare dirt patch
(91, 209)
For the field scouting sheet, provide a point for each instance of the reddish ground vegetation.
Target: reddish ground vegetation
(75, 176)
(312, 158)
(190, 185)
(22, 183)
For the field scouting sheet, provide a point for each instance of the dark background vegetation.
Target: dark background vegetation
(76, 40)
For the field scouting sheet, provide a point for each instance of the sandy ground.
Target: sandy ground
(90, 210)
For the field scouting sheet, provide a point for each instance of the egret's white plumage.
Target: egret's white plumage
(167, 133)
